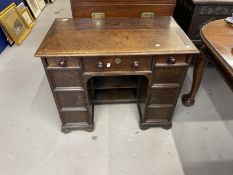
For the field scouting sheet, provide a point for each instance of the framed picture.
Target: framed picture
(26, 14)
(33, 5)
(14, 24)
(21, 6)
(41, 4)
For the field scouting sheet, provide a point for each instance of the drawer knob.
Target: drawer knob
(171, 60)
(135, 64)
(100, 64)
(62, 63)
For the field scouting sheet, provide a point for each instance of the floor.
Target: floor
(200, 142)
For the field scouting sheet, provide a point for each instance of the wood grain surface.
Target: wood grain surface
(115, 36)
(218, 37)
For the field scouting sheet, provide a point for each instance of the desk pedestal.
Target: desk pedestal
(79, 83)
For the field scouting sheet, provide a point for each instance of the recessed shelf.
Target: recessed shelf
(106, 96)
(112, 82)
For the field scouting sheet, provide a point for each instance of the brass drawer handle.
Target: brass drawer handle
(98, 15)
(148, 14)
(62, 63)
(171, 60)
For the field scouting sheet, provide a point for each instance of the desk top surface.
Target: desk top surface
(115, 36)
(218, 37)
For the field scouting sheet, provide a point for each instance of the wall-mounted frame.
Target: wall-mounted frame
(41, 4)
(34, 7)
(26, 14)
(14, 24)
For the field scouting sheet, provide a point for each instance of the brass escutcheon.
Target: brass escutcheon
(117, 60)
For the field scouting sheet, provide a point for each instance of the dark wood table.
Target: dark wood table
(192, 15)
(218, 39)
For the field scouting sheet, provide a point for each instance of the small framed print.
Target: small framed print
(14, 24)
(26, 14)
(41, 4)
(33, 5)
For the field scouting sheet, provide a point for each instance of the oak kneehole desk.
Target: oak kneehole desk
(115, 60)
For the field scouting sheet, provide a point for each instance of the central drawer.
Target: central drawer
(117, 63)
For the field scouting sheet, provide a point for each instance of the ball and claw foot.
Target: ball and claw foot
(65, 130)
(187, 101)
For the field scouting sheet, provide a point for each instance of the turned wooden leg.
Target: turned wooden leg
(200, 63)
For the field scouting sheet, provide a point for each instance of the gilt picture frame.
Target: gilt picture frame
(34, 7)
(41, 4)
(26, 14)
(14, 24)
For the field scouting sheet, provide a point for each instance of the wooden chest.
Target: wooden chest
(121, 8)
(115, 60)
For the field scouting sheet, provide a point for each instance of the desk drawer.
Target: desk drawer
(66, 78)
(164, 95)
(171, 60)
(159, 113)
(63, 62)
(71, 117)
(124, 63)
(71, 98)
(169, 75)
(87, 10)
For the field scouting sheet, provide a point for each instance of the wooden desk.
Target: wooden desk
(99, 61)
(218, 39)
